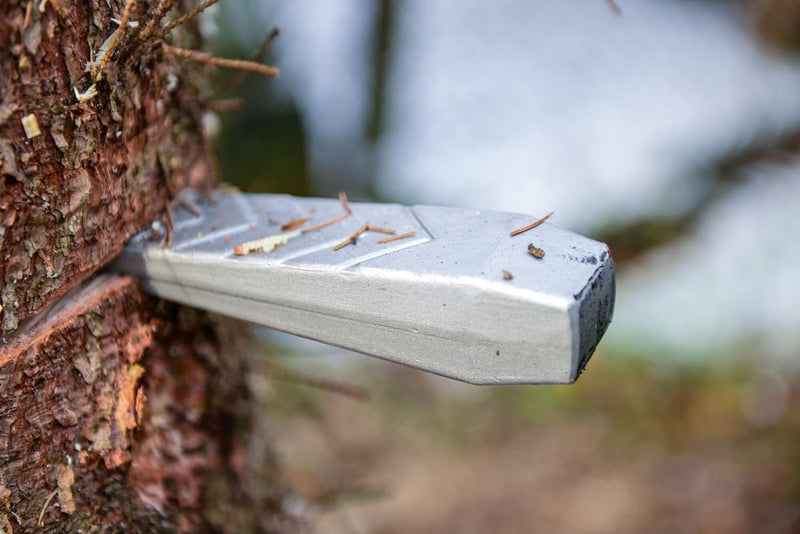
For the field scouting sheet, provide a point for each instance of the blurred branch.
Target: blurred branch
(208, 59)
(226, 105)
(279, 372)
(630, 240)
(383, 31)
(614, 6)
(778, 23)
(257, 57)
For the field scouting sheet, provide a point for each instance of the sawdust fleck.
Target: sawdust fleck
(65, 478)
(31, 126)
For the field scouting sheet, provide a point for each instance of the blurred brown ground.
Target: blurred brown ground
(630, 448)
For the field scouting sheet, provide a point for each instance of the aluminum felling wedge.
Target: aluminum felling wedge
(446, 290)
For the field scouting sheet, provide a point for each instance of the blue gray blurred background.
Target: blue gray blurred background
(669, 129)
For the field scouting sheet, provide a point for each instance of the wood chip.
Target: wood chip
(31, 126)
(535, 252)
(507, 275)
(352, 239)
(267, 244)
(294, 224)
(396, 237)
(532, 225)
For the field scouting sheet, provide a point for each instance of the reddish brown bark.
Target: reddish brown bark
(85, 175)
(116, 414)
(70, 394)
(117, 411)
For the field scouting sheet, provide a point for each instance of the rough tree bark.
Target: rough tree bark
(84, 175)
(117, 412)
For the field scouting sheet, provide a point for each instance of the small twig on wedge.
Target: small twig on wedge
(380, 230)
(326, 223)
(353, 238)
(396, 237)
(532, 225)
(294, 224)
(348, 211)
(343, 200)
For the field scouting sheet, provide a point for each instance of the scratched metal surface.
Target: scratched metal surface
(436, 301)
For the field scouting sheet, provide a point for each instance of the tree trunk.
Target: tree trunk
(117, 412)
(82, 175)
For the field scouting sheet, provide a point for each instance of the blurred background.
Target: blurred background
(669, 129)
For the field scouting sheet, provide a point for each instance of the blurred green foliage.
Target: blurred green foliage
(261, 145)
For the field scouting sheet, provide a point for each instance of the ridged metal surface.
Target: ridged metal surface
(438, 300)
